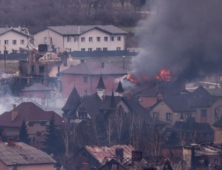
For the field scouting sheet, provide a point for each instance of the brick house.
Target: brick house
(36, 121)
(85, 77)
(83, 37)
(18, 155)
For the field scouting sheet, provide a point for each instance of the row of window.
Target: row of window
(100, 49)
(14, 42)
(90, 39)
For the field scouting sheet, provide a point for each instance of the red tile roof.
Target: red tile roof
(94, 68)
(28, 111)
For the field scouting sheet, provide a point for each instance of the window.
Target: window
(90, 39)
(98, 49)
(215, 161)
(6, 42)
(217, 115)
(22, 41)
(83, 49)
(14, 42)
(98, 38)
(156, 115)
(85, 79)
(118, 38)
(33, 69)
(82, 39)
(68, 39)
(105, 38)
(75, 39)
(118, 48)
(31, 124)
(41, 69)
(114, 167)
(168, 116)
(89, 49)
(43, 123)
(203, 113)
(85, 92)
(104, 49)
(112, 38)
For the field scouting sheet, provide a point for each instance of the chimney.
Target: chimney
(11, 142)
(14, 112)
(102, 64)
(119, 153)
(137, 155)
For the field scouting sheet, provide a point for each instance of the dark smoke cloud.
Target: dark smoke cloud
(184, 36)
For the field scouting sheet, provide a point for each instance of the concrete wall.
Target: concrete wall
(10, 36)
(57, 39)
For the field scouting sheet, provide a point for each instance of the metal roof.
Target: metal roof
(23, 154)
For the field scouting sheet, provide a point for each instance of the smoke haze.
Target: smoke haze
(184, 36)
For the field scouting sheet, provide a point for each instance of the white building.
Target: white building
(13, 39)
(83, 38)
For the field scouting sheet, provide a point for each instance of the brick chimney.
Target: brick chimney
(14, 112)
(11, 142)
(119, 153)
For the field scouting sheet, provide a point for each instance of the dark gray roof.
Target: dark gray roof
(37, 87)
(73, 101)
(94, 68)
(101, 84)
(80, 29)
(23, 154)
(17, 30)
(119, 88)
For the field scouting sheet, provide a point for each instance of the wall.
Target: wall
(162, 109)
(10, 36)
(217, 135)
(57, 39)
(68, 82)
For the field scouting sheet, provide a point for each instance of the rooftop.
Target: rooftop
(23, 154)
(36, 87)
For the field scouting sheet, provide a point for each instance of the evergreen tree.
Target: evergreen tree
(51, 137)
(23, 133)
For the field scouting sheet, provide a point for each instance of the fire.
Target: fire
(165, 75)
(132, 78)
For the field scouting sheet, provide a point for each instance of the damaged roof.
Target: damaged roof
(94, 68)
(101, 153)
(17, 30)
(23, 154)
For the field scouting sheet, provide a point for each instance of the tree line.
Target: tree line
(40, 13)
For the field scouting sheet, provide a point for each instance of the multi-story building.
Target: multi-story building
(83, 38)
(13, 40)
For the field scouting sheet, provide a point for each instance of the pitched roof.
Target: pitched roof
(23, 154)
(119, 88)
(81, 29)
(94, 68)
(17, 30)
(101, 84)
(36, 87)
(73, 101)
(102, 152)
(28, 111)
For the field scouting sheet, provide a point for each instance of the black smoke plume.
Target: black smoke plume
(184, 36)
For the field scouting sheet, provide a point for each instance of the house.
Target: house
(18, 155)
(36, 120)
(218, 131)
(90, 157)
(85, 77)
(13, 39)
(83, 37)
(36, 90)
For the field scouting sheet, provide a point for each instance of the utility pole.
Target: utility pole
(5, 56)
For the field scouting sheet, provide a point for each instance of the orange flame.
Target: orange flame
(132, 78)
(165, 75)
